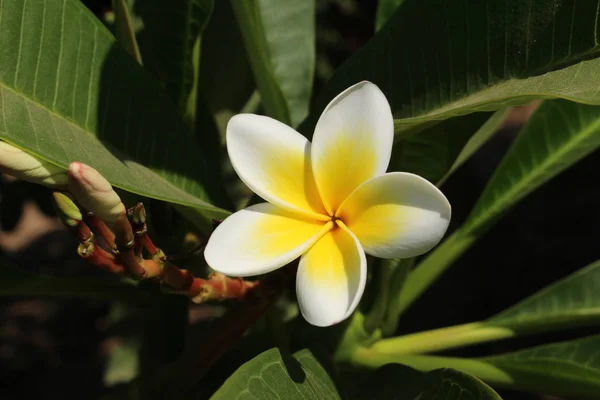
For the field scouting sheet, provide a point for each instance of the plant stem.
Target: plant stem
(376, 315)
(397, 281)
(442, 339)
(485, 369)
(432, 267)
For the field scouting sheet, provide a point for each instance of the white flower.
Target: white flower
(328, 203)
(22, 165)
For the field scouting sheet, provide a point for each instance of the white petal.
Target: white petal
(352, 142)
(273, 160)
(331, 278)
(397, 215)
(260, 239)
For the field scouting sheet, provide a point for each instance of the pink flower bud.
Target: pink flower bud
(94, 192)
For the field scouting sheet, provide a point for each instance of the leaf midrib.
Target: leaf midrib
(512, 194)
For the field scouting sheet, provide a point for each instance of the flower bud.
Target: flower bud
(95, 193)
(22, 165)
(67, 210)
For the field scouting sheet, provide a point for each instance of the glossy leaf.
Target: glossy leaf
(399, 382)
(69, 92)
(273, 375)
(279, 36)
(559, 134)
(475, 55)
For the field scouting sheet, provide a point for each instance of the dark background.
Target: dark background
(58, 349)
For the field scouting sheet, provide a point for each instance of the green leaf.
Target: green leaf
(385, 10)
(279, 36)
(69, 92)
(572, 301)
(483, 134)
(559, 134)
(171, 41)
(19, 282)
(226, 81)
(399, 382)
(570, 368)
(567, 368)
(125, 30)
(273, 375)
(432, 153)
(171, 32)
(435, 60)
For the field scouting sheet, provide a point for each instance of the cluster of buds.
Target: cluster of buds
(111, 236)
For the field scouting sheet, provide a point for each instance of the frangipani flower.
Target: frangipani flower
(329, 203)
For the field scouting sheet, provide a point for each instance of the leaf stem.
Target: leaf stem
(442, 339)
(376, 314)
(432, 267)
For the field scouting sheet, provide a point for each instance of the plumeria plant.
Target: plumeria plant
(211, 160)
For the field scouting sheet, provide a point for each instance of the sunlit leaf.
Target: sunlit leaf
(69, 92)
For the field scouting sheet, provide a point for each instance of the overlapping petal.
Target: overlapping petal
(273, 160)
(260, 239)
(396, 215)
(352, 142)
(331, 278)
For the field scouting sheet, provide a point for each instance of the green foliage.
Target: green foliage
(19, 282)
(125, 30)
(398, 382)
(280, 43)
(167, 42)
(459, 58)
(149, 111)
(558, 135)
(275, 375)
(63, 99)
(572, 301)
(385, 10)
(437, 152)
(568, 368)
